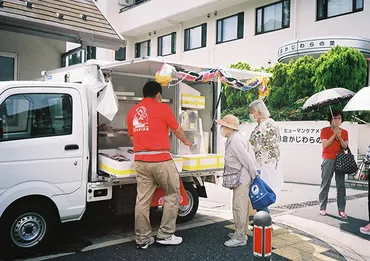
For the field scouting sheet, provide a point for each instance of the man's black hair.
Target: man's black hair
(335, 113)
(151, 89)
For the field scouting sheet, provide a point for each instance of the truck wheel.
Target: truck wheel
(186, 213)
(28, 228)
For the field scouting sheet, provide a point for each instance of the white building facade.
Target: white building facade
(227, 31)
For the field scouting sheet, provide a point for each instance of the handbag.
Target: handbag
(345, 162)
(260, 194)
(231, 180)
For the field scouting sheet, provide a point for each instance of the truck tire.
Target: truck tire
(186, 213)
(28, 227)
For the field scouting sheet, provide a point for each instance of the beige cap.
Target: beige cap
(229, 121)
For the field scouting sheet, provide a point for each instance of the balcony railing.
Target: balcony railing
(128, 4)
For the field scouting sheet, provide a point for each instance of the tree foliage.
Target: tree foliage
(340, 67)
(293, 83)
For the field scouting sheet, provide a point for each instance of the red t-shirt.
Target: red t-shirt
(148, 123)
(333, 149)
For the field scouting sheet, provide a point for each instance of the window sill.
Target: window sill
(164, 55)
(228, 41)
(256, 34)
(335, 16)
(196, 48)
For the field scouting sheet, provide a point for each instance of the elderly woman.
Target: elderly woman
(239, 156)
(265, 139)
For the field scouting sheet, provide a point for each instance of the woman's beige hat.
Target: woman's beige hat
(229, 121)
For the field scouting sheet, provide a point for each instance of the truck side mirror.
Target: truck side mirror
(1, 128)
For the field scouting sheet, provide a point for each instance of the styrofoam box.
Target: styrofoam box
(178, 161)
(192, 101)
(119, 169)
(202, 161)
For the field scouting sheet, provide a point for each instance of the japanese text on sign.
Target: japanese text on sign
(292, 135)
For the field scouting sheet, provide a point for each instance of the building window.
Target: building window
(90, 52)
(195, 37)
(142, 49)
(27, 116)
(230, 28)
(78, 55)
(273, 17)
(167, 44)
(8, 65)
(331, 8)
(121, 54)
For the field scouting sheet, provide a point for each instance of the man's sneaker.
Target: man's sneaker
(231, 235)
(365, 229)
(235, 243)
(145, 245)
(172, 240)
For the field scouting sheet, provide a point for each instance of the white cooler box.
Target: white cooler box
(176, 158)
(118, 169)
(202, 161)
(193, 101)
(178, 161)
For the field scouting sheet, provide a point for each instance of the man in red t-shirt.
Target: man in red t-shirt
(148, 127)
(333, 138)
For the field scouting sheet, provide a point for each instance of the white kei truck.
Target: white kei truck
(51, 133)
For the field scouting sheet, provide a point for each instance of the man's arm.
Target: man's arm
(172, 123)
(180, 134)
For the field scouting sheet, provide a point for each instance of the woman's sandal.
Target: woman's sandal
(342, 214)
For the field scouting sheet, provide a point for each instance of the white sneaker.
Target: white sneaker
(172, 240)
(235, 243)
(231, 235)
(145, 245)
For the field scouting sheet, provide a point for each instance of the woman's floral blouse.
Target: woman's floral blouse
(265, 139)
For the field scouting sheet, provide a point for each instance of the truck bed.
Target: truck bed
(105, 177)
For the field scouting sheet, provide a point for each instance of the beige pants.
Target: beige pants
(148, 175)
(240, 211)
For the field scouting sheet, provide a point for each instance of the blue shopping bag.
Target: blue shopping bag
(261, 194)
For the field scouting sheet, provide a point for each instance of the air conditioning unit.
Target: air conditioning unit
(126, 2)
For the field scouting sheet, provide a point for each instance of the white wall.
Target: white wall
(35, 54)
(257, 50)
(301, 162)
(364, 141)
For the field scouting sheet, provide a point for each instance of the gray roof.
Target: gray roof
(78, 21)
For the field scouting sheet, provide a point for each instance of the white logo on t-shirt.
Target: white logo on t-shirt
(140, 121)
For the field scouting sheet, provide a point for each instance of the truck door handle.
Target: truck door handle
(71, 147)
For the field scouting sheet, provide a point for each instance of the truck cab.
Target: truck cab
(45, 158)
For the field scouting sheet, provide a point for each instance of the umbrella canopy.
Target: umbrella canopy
(327, 97)
(359, 102)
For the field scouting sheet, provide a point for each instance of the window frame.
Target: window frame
(15, 67)
(241, 16)
(31, 115)
(137, 49)
(263, 15)
(173, 44)
(325, 10)
(203, 36)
